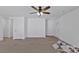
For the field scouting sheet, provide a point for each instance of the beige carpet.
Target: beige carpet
(37, 45)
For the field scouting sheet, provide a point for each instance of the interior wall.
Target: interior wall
(8, 32)
(14, 11)
(9, 11)
(68, 28)
(2, 27)
(51, 27)
(7, 27)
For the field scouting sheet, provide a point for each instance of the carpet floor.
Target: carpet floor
(30, 45)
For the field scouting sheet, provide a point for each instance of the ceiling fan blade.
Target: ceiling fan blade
(33, 12)
(34, 8)
(46, 8)
(46, 12)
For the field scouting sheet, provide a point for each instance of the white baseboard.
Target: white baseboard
(49, 34)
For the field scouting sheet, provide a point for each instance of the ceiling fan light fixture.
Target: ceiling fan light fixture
(39, 14)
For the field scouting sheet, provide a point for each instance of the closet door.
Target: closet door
(36, 27)
(18, 27)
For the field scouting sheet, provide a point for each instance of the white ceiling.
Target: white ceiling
(56, 11)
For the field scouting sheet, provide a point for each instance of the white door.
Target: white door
(18, 28)
(36, 27)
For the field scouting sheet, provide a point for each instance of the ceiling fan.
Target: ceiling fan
(40, 11)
